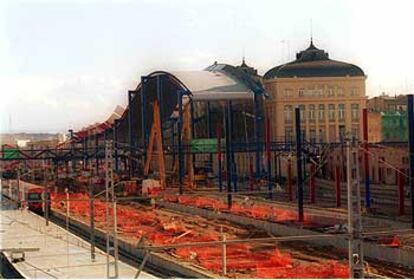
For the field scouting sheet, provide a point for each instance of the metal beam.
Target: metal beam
(366, 159)
(130, 133)
(299, 156)
(410, 111)
(257, 134)
(180, 148)
(143, 113)
(228, 151)
(115, 139)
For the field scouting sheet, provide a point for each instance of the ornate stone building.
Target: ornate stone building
(330, 94)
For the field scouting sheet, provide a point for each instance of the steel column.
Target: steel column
(289, 180)
(251, 175)
(92, 217)
(338, 186)
(105, 135)
(173, 139)
(299, 165)
(312, 184)
(410, 111)
(130, 136)
(257, 134)
(232, 159)
(96, 153)
(279, 167)
(400, 184)
(180, 148)
(366, 159)
(228, 155)
(85, 152)
(220, 173)
(143, 114)
(209, 130)
(159, 98)
(71, 148)
(115, 138)
(269, 159)
(192, 130)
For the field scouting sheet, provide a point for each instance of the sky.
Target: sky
(67, 64)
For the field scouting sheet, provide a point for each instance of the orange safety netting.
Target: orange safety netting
(238, 256)
(160, 230)
(393, 242)
(264, 212)
(329, 269)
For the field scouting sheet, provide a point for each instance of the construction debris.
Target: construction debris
(160, 227)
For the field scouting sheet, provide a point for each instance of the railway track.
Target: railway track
(383, 268)
(135, 261)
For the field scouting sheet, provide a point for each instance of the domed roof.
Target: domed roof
(313, 62)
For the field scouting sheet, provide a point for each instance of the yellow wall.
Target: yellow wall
(353, 92)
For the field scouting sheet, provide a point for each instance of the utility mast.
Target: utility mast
(110, 199)
(355, 242)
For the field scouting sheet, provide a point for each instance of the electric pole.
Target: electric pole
(355, 242)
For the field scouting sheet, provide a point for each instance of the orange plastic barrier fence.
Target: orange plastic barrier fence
(325, 270)
(135, 223)
(263, 212)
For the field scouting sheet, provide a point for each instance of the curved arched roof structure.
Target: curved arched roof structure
(207, 114)
(217, 82)
(313, 62)
(213, 85)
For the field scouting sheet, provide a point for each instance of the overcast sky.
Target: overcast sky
(66, 64)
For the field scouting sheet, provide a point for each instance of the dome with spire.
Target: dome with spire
(246, 68)
(313, 62)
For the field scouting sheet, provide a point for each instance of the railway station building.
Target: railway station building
(330, 94)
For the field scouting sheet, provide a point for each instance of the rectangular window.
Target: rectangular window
(330, 91)
(341, 133)
(354, 91)
(322, 135)
(312, 135)
(288, 134)
(341, 112)
(301, 92)
(355, 131)
(321, 93)
(302, 112)
(288, 92)
(355, 112)
(303, 133)
(321, 113)
(331, 112)
(288, 112)
(312, 113)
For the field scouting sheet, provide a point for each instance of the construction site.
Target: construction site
(188, 182)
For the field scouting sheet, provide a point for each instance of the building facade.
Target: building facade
(387, 118)
(329, 93)
(394, 126)
(386, 103)
(374, 127)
